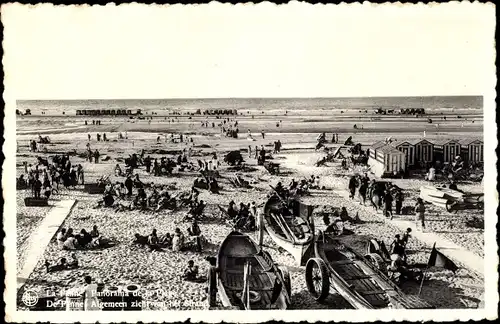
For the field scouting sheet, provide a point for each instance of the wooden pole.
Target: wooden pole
(260, 222)
(422, 281)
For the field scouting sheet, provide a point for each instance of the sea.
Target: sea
(256, 105)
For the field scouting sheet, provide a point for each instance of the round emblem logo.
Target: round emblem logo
(30, 298)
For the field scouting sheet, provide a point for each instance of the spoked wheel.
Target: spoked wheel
(317, 279)
(377, 262)
(450, 206)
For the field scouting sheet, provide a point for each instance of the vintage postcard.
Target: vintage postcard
(303, 162)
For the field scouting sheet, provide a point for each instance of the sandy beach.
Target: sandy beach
(127, 264)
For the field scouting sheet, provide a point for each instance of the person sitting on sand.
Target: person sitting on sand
(61, 237)
(231, 210)
(344, 216)
(166, 240)
(118, 171)
(191, 272)
(153, 241)
(21, 182)
(70, 243)
(94, 232)
(140, 239)
(61, 265)
(213, 186)
(84, 238)
(178, 240)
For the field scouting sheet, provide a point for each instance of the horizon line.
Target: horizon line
(215, 98)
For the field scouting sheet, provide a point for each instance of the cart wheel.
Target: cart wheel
(286, 279)
(212, 286)
(450, 206)
(377, 261)
(317, 279)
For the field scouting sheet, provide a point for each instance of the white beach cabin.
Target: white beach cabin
(472, 150)
(445, 150)
(386, 160)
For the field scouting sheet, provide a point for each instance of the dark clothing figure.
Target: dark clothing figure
(147, 162)
(353, 183)
(388, 204)
(37, 187)
(399, 202)
(96, 156)
(129, 184)
(362, 191)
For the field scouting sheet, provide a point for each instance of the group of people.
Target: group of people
(62, 264)
(146, 197)
(45, 177)
(94, 122)
(277, 146)
(177, 241)
(243, 217)
(92, 154)
(98, 137)
(388, 194)
(68, 240)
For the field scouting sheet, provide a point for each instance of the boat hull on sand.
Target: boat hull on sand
(269, 285)
(290, 227)
(353, 276)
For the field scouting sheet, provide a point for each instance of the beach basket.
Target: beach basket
(36, 202)
(94, 189)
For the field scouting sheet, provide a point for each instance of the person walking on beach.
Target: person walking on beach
(388, 204)
(249, 151)
(353, 183)
(263, 134)
(96, 156)
(399, 201)
(91, 303)
(420, 214)
(89, 137)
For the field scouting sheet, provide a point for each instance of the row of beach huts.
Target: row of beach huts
(402, 155)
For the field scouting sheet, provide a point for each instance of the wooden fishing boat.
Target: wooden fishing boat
(241, 269)
(360, 280)
(289, 223)
(451, 200)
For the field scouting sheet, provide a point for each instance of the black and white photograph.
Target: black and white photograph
(174, 162)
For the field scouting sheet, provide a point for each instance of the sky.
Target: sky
(219, 50)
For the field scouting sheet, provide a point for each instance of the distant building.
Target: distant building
(472, 150)
(423, 150)
(107, 112)
(445, 150)
(386, 159)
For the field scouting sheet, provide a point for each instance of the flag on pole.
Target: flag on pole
(438, 259)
